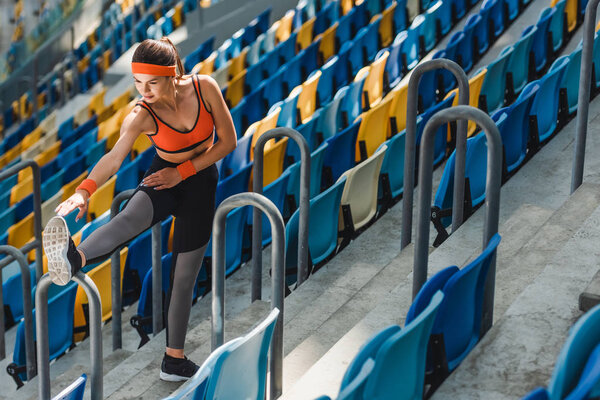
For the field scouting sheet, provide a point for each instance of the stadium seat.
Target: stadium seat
(326, 86)
(316, 172)
(410, 47)
(21, 232)
(273, 161)
(539, 47)
(233, 184)
(391, 177)
(307, 97)
(352, 106)
(557, 25)
(238, 158)
(60, 328)
(323, 229)
(496, 15)
(480, 31)
(326, 18)
(340, 155)
(441, 136)
(235, 89)
(386, 26)
(235, 225)
(458, 322)
(330, 122)
(545, 105)
(309, 131)
(570, 81)
(358, 205)
(243, 359)
(517, 69)
(102, 199)
(49, 205)
(394, 66)
(12, 295)
(373, 86)
(596, 61)
(494, 84)
(288, 114)
(398, 109)
(474, 90)
(374, 129)
(327, 47)
(304, 35)
(74, 391)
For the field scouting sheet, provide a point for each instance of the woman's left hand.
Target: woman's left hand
(163, 179)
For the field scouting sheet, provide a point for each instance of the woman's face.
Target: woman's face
(151, 87)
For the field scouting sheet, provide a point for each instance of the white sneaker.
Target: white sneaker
(63, 258)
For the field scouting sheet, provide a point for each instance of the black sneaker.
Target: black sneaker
(63, 258)
(177, 369)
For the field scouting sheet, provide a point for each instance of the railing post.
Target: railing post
(41, 316)
(583, 99)
(115, 271)
(411, 145)
(27, 310)
(277, 277)
(492, 195)
(304, 206)
(157, 299)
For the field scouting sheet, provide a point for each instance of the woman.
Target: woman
(180, 114)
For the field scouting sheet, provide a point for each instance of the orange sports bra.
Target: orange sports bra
(170, 140)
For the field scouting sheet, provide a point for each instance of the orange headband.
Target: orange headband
(153, 69)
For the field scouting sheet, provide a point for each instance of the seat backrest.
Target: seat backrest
(539, 46)
(360, 191)
(570, 79)
(393, 163)
(74, 391)
(276, 192)
(238, 158)
(557, 23)
(341, 151)
(352, 105)
(316, 170)
(518, 64)
(355, 389)
(582, 340)
(403, 355)
(494, 83)
(273, 161)
(374, 129)
(410, 46)
(393, 66)
(102, 199)
(441, 136)
(330, 121)
(545, 104)
(398, 109)
(307, 97)
(374, 81)
(233, 184)
(246, 363)
(475, 83)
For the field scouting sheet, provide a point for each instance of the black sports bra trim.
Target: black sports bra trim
(181, 150)
(177, 130)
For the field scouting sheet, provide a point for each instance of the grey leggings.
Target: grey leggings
(192, 204)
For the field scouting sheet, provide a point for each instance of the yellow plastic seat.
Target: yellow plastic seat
(106, 59)
(121, 100)
(21, 232)
(346, 6)
(24, 107)
(207, 66)
(238, 64)
(96, 105)
(307, 97)
(140, 145)
(258, 128)
(235, 89)
(49, 206)
(69, 188)
(571, 11)
(304, 36)
(178, 15)
(386, 25)
(10, 155)
(273, 161)
(327, 44)
(49, 154)
(374, 82)
(83, 63)
(374, 129)
(284, 30)
(109, 129)
(31, 138)
(102, 199)
(398, 108)
(21, 190)
(101, 275)
(360, 193)
(475, 84)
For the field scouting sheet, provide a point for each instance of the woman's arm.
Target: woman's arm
(107, 166)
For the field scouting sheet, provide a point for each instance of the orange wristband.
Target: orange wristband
(186, 169)
(88, 185)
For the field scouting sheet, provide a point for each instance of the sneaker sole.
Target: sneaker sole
(172, 377)
(56, 244)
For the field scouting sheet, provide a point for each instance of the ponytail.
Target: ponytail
(180, 69)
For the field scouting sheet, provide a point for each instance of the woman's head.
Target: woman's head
(154, 85)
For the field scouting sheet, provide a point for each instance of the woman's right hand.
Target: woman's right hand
(77, 200)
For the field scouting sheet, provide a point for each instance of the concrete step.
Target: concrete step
(137, 376)
(519, 352)
(325, 375)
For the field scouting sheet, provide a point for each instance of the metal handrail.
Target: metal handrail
(37, 214)
(157, 304)
(43, 349)
(115, 270)
(411, 145)
(583, 99)
(27, 311)
(277, 277)
(492, 195)
(304, 206)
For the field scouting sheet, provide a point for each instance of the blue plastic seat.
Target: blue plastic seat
(441, 12)
(517, 69)
(480, 33)
(325, 18)
(441, 135)
(330, 123)
(254, 77)
(257, 102)
(343, 32)
(52, 185)
(596, 61)
(326, 85)
(428, 85)
(288, 113)
(12, 294)
(537, 394)
(557, 25)
(243, 360)
(276, 192)
(273, 90)
(340, 155)
(410, 48)
(400, 16)
(286, 50)
(356, 55)
(127, 177)
(539, 47)
(393, 66)
(233, 184)
(61, 304)
(427, 30)
(234, 239)
(351, 106)
(238, 159)
(309, 131)
(323, 230)
(515, 127)
(570, 80)
(512, 9)
(494, 83)
(496, 15)
(309, 59)
(74, 391)
(360, 17)
(459, 9)
(291, 74)
(458, 322)
(370, 42)
(391, 177)
(316, 172)
(463, 42)
(545, 105)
